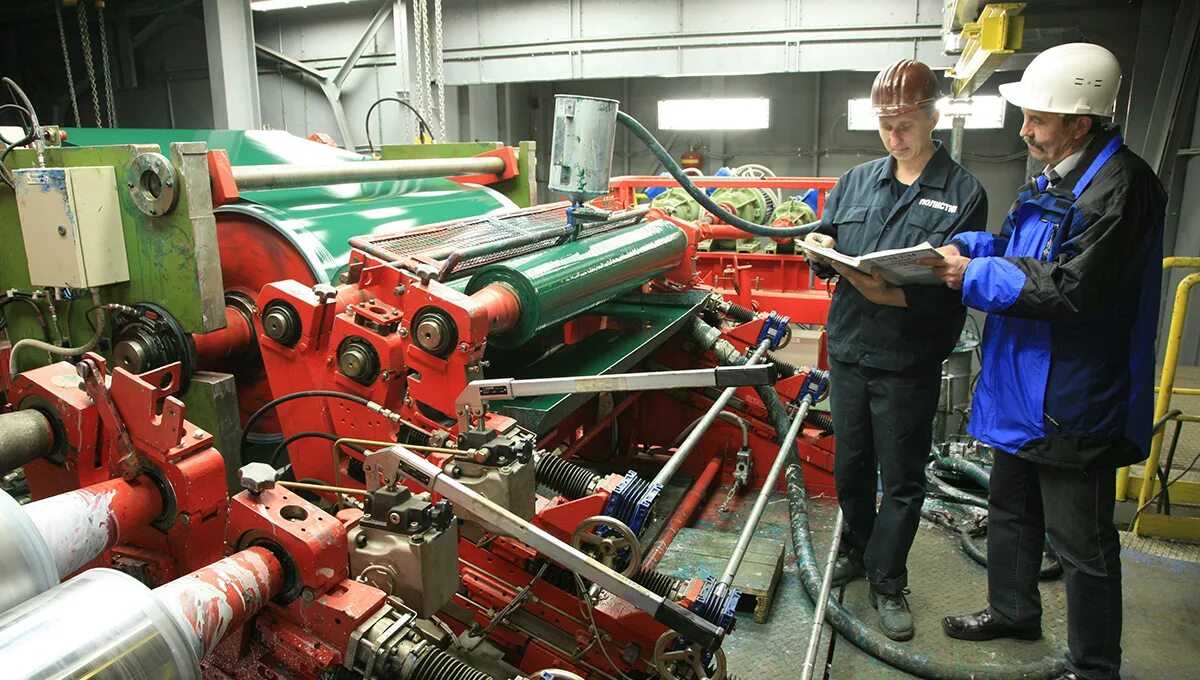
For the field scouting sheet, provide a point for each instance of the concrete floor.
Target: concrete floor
(1162, 608)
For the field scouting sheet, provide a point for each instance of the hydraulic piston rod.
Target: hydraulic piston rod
(685, 449)
(259, 177)
(386, 467)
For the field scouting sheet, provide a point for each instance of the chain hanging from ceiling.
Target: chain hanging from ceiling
(85, 38)
(108, 85)
(420, 79)
(438, 77)
(62, 41)
(428, 86)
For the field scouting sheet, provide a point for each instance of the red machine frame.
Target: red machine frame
(782, 283)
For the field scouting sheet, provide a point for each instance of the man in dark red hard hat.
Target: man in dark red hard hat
(887, 343)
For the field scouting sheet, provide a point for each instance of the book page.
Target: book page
(831, 254)
(899, 266)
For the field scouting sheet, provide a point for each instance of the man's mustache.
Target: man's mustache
(1032, 144)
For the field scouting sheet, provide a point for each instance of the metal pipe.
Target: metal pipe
(210, 602)
(814, 639)
(685, 449)
(387, 466)
(79, 525)
(25, 436)
(262, 177)
(683, 514)
(760, 503)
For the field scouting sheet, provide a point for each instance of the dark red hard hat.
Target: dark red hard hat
(904, 86)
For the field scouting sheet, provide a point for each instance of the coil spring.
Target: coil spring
(820, 419)
(560, 578)
(657, 582)
(739, 313)
(564, 476)
(435, 664)
(785, 369)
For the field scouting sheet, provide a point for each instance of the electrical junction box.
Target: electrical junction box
(71, 223)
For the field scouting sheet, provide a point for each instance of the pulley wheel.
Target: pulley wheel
(607, 549)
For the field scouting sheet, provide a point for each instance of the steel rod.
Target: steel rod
(683, 514)
(764, 494)
(323, 487)
(814, 639)
(392, 463)
(685, 449)
(261, 177)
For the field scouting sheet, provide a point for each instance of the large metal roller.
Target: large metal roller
(105, 625)
(302, 233)
(558, 283)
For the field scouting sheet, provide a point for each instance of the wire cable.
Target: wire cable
(266, 408)
(422, 127)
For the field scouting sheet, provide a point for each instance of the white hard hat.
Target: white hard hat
(1078, 78)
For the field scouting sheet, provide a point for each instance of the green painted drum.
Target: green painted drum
(317, 221)
(556, 284)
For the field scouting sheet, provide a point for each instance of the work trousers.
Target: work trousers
(1026, 502)
(883, 424)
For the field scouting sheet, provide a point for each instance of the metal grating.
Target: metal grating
(438, 241)
(1160, 547)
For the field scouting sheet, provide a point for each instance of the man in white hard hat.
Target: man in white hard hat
(1071, 286)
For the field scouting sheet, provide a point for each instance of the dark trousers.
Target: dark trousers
(883, 424)
(1075, 507)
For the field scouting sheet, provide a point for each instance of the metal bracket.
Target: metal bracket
(774, 328)
(91, 370)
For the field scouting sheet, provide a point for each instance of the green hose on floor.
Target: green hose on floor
(900, 655)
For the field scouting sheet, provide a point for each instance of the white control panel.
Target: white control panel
(71, 223)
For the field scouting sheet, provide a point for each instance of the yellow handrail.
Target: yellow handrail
(1166, 383)
(1161, 407)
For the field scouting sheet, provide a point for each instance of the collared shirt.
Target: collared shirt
(862, 214)
(1066, 165)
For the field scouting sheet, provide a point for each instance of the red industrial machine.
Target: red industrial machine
(480, 418)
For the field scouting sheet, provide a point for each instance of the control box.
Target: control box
(71, 224)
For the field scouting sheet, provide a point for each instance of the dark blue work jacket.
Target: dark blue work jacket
(862, 213)
(1071, 286)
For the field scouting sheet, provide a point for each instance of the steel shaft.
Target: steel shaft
(25, 436)
(685, 449)
(260, 177)
(764, 494)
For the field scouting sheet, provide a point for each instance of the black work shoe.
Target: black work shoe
(845, 569)
(983, 626)
(895, 619)
(1067, 675)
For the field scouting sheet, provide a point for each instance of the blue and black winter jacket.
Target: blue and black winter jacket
(1072, 286)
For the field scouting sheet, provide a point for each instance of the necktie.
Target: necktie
(1052, 177)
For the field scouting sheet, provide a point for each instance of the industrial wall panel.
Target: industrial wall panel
(507, 22)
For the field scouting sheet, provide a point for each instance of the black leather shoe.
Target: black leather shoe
(983, 626)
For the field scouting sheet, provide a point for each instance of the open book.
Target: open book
(898, 267)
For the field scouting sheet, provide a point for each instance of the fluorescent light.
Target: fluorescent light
(985, 112)
(267, 5)
(714, 114)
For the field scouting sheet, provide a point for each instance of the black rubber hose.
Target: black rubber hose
(820, 419)
(1048, 572)
(289, 397)
(699, 194)
(964, 467)
(952, 492)
(896, 654)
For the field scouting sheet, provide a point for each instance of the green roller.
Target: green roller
(319, 221)
(556, 284)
